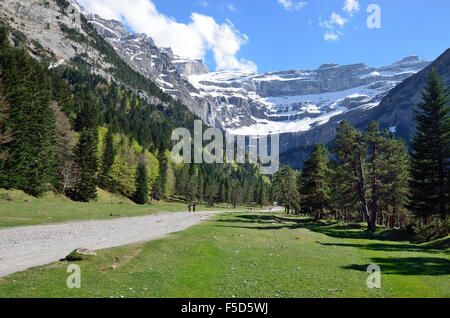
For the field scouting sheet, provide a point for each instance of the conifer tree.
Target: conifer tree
(376, 162)
(285, 189)
(85, 154)
(261, 193)
(108, 153)
(430, 159)
(107, 161)
(5, 132)
(315, 187)
(395, 179)
(351, 150)
(236, 193)
(141, 194)
(199, 187)
(159, 188)
(31, 161)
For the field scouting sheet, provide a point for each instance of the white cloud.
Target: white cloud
(351, 6)
(332, 26)
(191, 40)
(229, 6)
(332, 35)
(202, 3)
(291, 6)
(336, 19)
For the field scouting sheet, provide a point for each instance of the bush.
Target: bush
(435, 230)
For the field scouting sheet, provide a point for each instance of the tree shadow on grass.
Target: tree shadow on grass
(330, 229)
(424, 266)
(338, 230)
(389, 247)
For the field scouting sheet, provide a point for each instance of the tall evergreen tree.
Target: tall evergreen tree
(85, 154)
(108, 157)
(285, 189)
(315, 187)
(430, 159)
(351, 150)
(376, 162)
(199, 187)
(5, 132)
(236, 193)
(31, 161)
(261, 195)
(108, 153)
(141, 194)
(159, 187)
(395, 180)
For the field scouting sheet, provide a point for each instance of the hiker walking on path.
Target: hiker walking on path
(195, 207)
(189, 207)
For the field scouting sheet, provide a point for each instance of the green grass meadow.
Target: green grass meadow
(56, 209)
(251, 255)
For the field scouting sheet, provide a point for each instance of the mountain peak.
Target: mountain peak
(328, 65)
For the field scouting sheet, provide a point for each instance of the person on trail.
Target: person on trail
(189, 207)
(195, 207)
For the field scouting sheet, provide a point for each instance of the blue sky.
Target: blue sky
(290, 34)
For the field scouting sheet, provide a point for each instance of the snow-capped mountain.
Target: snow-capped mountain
(304, 106)
(259, 104)
(296, 101)
(158, 64)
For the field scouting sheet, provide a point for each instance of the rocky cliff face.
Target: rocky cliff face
(158, 64)
(296, 101)
(304, 106)
(291, 103)
(394, 112)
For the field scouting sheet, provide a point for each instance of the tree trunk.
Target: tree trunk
(362, 196)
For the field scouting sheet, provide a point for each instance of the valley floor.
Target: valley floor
(251, 255)
(27, 210)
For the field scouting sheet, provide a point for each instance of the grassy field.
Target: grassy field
(54, 209)
(252, 255)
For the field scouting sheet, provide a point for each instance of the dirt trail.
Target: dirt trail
(25, 247)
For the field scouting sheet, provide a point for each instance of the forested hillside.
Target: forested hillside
(372, 177)
(68, 130)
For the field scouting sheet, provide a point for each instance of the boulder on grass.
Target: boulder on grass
(7, 197)
(80, 254)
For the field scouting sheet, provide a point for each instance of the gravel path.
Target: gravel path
(25, 247)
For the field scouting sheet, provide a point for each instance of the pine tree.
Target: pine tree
(108, 153)
(285, 189)
(315, 189)
(3, 38)
(236, 193)
(5, 132)
(211, 191)
(222, 193)
(395, 179)
(430, 159)
(229, 192)
(199, 188)
(85, 154)
(108, 156)
(31, 163)
(159, 188)
(141, 194)
(376, 143)
(261, 193)
(351, 151)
